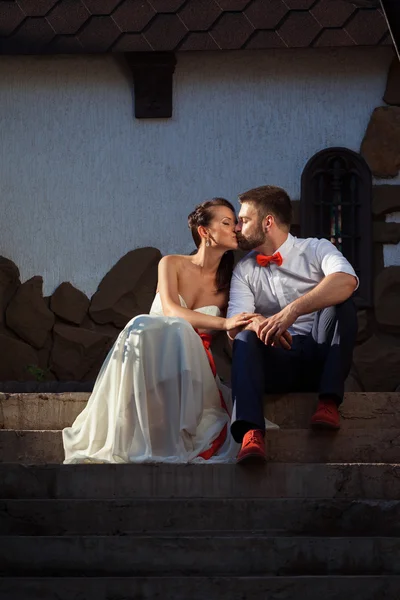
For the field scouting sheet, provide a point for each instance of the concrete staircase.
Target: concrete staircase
(321, 518)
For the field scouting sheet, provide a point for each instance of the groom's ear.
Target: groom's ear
(267, 222)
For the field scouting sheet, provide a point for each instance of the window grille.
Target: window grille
(336, 195)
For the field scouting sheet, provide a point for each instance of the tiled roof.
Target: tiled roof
(70, 26)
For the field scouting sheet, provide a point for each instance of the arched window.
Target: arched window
(336, 195)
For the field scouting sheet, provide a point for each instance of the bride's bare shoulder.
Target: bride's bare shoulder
(176, 260)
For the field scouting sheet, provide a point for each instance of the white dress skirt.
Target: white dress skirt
(155, 399)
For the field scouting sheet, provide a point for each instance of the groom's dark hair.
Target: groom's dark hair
(269, 199)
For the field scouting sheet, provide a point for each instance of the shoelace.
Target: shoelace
(253, 438)
(328, 408)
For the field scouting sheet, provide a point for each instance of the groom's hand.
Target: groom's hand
(261, 324)
(275, 329)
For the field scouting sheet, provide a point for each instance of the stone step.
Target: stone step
(199, 588)
(56, 411)
(329, 517)
(198, 554)
(358, 411)
(272, 480)
(285, 445)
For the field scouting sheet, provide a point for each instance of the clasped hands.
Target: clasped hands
(273, 331)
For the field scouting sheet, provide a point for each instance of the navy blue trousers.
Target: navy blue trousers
(318, 362)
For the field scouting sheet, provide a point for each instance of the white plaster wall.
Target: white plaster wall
(82, 182)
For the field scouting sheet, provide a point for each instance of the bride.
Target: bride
(157, 397)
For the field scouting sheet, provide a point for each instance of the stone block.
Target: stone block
(9, 283)
(378, 363)
(199, 554)
(284, 445)
(76, 351)
(69, 303)
(16, 358)
(387, 299)
(359, 410)
(386, 233)
(271, 480)
(392, 92)
(364, 326)
(182, 587)
(27, 314)
(40, 410)
(301, 516)
(128, 288)
(381, 144)
(385, 199)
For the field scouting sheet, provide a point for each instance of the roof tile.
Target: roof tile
(300, 4)
(167, 6)
(366, 27)
(232, 31)
(266, 17)
(333, 37)
(332, 14)
(132, 42)
(299, 29)
(36, 8)
(65, 44)
(184, 24)
(11, 16)
(133, 15)
(101, 7)
(33, 35)
(199, 14)
(233, 4)
(199, 40)
(68, 16)
(165, 32)
(98, 34)
(265, 39)
(387, 40)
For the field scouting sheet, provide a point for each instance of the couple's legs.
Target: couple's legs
(318, 362)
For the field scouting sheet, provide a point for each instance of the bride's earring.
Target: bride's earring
(207, 243)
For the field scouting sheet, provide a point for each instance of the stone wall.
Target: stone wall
(66, 336)
(377, 355)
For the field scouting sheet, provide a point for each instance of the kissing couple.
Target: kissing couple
(287, 308)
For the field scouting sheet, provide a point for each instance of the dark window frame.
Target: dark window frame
(339, 176)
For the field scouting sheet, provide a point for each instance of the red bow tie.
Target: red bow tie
(264, 260)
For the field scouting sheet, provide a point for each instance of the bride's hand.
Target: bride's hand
(239, 320)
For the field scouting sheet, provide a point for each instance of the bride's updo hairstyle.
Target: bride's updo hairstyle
(203, 214)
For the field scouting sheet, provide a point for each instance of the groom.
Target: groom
(304, 335)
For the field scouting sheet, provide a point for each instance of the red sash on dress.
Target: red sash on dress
(206, 338)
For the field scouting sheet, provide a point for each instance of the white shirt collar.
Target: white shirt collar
(286, 247)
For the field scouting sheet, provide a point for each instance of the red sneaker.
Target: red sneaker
(326, 416)
(253, 447)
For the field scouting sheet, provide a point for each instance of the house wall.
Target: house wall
(82, 182)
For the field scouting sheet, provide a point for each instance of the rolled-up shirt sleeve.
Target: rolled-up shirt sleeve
(241, 297)
(332, 260)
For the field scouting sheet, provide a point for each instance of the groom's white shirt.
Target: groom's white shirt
(267, 290)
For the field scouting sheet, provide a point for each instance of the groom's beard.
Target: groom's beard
(249, 243)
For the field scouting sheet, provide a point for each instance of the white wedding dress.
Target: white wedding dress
(155, 399)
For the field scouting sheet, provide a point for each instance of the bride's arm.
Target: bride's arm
(169, 294)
